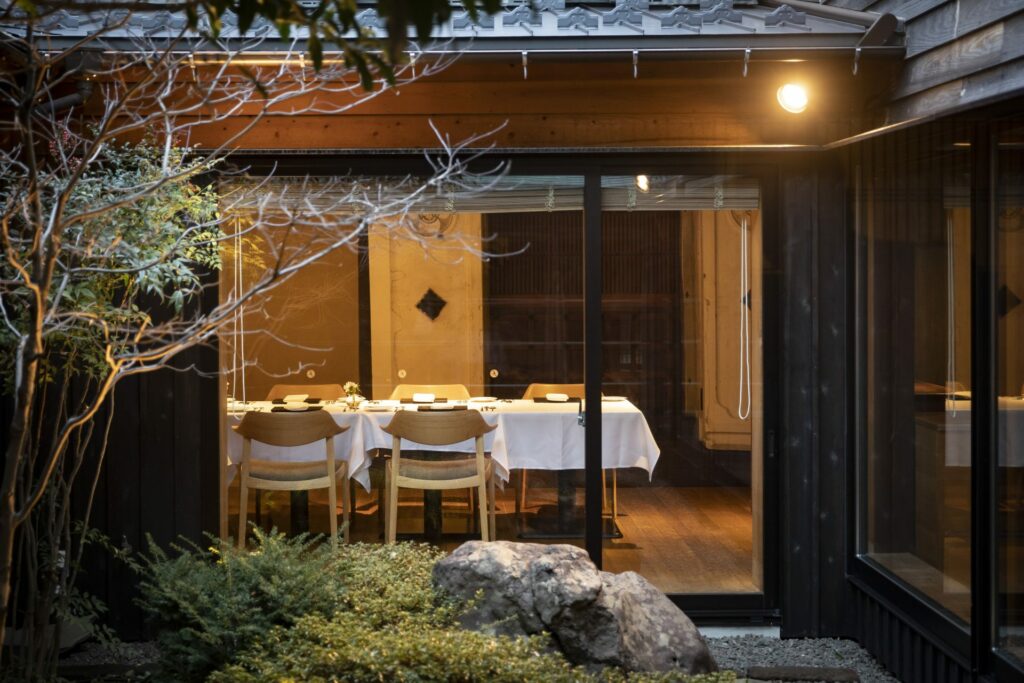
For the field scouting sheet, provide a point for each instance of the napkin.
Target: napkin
(557, 398)
(423, 398)
(295, 397)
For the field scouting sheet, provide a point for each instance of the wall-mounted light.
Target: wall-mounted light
(643, 183)
(792, 97)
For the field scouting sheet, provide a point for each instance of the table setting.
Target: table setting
(530, 434)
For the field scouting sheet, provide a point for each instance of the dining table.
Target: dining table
(534, 434)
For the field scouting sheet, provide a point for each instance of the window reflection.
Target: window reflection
(1010, 385)
(475, 299)
(914, 316)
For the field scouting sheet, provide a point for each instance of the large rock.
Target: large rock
(595, 617)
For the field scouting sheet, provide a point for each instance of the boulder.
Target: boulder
(596, 618)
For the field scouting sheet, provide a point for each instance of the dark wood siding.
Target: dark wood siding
(159, 476)
(958, 53)
(902, 647)
(813, 381)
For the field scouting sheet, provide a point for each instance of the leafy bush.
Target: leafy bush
(208, 604)
(348, 649)
(299, 611)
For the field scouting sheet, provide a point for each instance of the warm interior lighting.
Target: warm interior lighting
(793, 98)
(643, 183)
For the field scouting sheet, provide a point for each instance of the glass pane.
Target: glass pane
(915, 315)
(463, 299)
(682, 380)
(1010, 387)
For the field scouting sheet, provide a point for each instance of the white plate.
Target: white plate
(483, 399)
(297, 407)
(614, 399)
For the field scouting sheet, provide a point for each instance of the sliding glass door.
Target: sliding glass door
(609, 325)
(681, 347)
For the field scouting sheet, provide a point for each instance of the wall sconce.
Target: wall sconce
(793, 98)
(643, 183)
(433, 224)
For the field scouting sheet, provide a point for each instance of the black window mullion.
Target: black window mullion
(592, 278)
(983, 394)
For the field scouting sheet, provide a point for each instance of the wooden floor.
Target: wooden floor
(683, 539)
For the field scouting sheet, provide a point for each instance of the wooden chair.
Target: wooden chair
(292, 429)
(452, 392)
(440, 429)
(540, 390)
(325, 392)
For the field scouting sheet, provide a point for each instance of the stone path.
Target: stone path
(739, 653)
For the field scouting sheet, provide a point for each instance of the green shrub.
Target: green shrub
(208, 605)
(295, 610)
(348, 649)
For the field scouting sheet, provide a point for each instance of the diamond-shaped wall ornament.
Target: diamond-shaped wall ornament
(431, 304)
(1006, 301)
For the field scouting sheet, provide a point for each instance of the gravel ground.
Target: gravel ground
(739, 652)
(129, 654)
(731, 652)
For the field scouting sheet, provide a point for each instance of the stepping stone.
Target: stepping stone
(803, 673)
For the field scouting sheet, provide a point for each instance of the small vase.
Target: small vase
(352, 400)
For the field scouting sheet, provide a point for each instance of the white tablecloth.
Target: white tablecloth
(539, 436)
(1010, 420)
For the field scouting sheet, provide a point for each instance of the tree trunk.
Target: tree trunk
(8, 503)
(7, 528)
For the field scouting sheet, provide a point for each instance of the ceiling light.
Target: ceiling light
(792, 98)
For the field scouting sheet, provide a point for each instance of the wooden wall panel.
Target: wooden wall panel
(309, 323)
(407, 346)
(565, 105)
(159, 477)
(721, 426)
(813, 507)
(959, 53)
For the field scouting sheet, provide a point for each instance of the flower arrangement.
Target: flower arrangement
(352, 391)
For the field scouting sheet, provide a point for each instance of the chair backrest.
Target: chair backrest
(438, 428)
(322, 391)
(289, 429)
(538, 390)
(453, 392)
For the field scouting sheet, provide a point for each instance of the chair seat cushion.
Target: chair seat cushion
(291, 471)
(442, 469)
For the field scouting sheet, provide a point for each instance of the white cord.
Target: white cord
(744, 410)
(239, 313)
(234, 321)
(950, 312)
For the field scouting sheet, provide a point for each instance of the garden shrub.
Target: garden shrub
(348, 649)
(297, 610)
(206, 605)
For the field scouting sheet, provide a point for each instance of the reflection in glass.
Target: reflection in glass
(682, 343)
(914, 314)
(471, 296)
(1010, 386)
